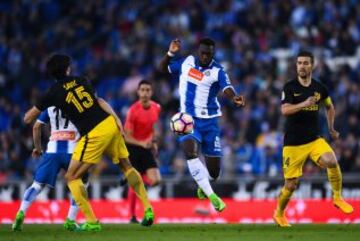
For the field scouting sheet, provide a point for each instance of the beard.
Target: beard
(303, 74)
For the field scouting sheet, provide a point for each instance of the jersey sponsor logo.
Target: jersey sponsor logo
(63, 136)
(297, 94)
(196, 74)
(311, 108)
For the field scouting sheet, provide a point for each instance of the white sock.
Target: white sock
(30, 195)
(200, 174)
(73, 210)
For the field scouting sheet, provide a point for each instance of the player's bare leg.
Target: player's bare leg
(78, 191)
(136, 183)
(329, 161)
(283, 200)
(153, 176)
(200, 174)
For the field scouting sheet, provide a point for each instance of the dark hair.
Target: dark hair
(144, 82)
(304, 53)
(207, 41)
(57, 65)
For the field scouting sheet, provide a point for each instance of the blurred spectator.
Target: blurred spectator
(117, 43)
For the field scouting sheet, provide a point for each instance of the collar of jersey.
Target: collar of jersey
(197, 64)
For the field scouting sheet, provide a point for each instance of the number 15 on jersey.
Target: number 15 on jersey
(80, 98)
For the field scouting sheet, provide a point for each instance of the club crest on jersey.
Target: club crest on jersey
(317, 96)
(196, 74)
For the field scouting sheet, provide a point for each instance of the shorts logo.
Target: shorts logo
(196, 74)
(217, 144)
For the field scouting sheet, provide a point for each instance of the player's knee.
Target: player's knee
(190, 155)
(331, 163)
(291, 185)
(156, 181)
(69, 177)
(214, 173)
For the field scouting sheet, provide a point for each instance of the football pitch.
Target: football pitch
(186, 232)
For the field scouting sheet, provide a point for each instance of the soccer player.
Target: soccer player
(101, 133)
(62, 142)
(200, 80)
(301, 100)
(141, 140)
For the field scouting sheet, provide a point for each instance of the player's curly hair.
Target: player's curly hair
(207, 41)
(57, 65)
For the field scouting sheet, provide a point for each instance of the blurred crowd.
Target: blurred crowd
(118, 43)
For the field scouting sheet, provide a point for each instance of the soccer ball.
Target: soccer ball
(182, 123)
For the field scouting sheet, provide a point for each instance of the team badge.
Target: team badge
(317, 96)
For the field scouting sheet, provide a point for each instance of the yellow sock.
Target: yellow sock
(283, 199)
(136, 183)
(79, 194)
(335, 179)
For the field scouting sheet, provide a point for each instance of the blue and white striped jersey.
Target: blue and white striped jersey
(64, 134)
(199, 86)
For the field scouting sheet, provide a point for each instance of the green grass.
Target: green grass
(187, 232)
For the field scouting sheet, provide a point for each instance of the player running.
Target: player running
(62, 142)
(141, 140)
(101, 133)
(301, 99)
(200, 80)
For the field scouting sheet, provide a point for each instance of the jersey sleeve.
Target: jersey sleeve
(174, 66)
(129, 121)
(287, 95)
(44, 117)
(46, 100)
(224, 80)
(325, 93)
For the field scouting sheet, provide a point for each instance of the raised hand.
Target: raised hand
(310, 101)
(175, 46)
(334, 134)
(36, 154)
(239, 100)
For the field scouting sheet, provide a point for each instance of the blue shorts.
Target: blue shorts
(49, 167)
(207, 133)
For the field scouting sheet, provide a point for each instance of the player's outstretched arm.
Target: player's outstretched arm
(330, 116)
(174, 47)
(37, 151)
(129, 138)
(31, 115)
(238, 100)
(108, 109)
(290, 109)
